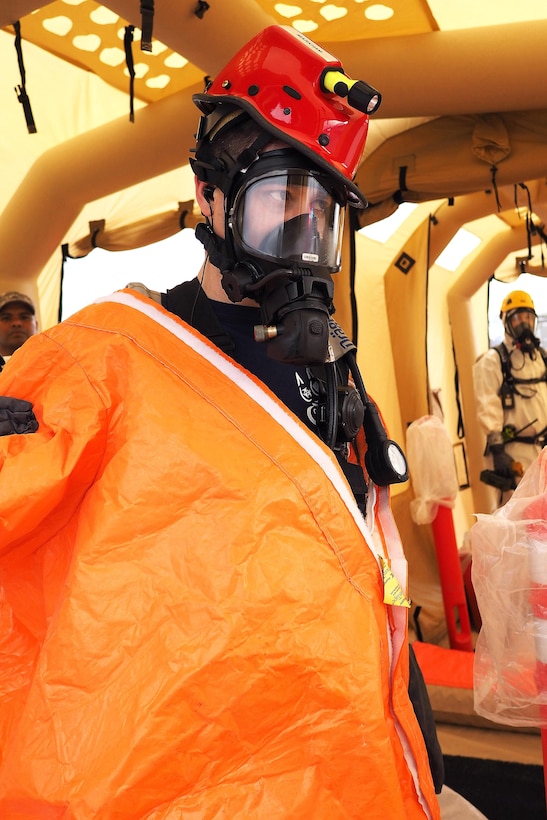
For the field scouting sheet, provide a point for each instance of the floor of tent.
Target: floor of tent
(459, 737)
(487, 744)
(490, 744)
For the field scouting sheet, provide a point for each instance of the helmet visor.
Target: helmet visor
(293, 216)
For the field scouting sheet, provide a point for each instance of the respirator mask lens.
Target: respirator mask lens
(289, 216)
(521, 323)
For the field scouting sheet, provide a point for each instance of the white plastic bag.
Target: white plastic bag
(431, 467)
(510, 580)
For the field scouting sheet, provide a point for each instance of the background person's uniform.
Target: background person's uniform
(530, 408)
(192, 605)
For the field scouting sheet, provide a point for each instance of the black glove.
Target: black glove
(16, 416)
(503, 463)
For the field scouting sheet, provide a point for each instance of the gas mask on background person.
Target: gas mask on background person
(518, 314)
(520, 324)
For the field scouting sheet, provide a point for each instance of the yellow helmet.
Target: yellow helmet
(519, 318)
(517, 299)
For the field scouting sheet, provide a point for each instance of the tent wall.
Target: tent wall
(468, 71)
(97, 163)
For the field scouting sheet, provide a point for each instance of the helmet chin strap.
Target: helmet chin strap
(211, 242)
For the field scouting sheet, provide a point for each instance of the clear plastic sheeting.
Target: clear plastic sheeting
(510, 581)
(432, 470)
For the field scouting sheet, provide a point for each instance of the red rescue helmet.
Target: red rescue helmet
(297, 92)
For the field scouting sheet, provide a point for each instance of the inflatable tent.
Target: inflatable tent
(102, 160)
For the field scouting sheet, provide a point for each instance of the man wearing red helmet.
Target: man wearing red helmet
(204, 590)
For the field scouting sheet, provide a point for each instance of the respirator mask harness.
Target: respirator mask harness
(283, 226)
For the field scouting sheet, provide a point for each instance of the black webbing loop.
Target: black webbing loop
(127, 40)
(201, 8)
(459, 424)
(530, 227)
(147, 24)
(21, 90)
(65, 255)
(494, 171)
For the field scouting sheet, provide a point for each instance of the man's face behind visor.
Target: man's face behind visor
(521, 322)
(289, 215)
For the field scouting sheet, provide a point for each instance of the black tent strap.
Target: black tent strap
(21, 90)
(147, 16)
(460, 425)
(65, 255)
(493, 172)
(127, 40)
(201, 8)
(530, 227)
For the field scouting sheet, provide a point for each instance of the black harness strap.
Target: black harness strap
(509, 388)
(188, 302)
(508, 375)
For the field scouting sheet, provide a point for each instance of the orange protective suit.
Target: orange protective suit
(192, 616)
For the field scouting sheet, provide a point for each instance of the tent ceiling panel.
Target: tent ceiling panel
(470, 71)
(441, 67)
(473, 73)
(451, 156)
(470, 14)
(91, 36)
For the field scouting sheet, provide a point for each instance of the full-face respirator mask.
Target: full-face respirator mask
(283, 231)
(520, 324)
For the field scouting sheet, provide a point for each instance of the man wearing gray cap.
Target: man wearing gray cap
(17, 323)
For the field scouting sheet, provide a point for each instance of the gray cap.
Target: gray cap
(13, 296)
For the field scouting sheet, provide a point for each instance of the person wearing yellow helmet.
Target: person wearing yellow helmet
(519, 318)
(510, 383)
